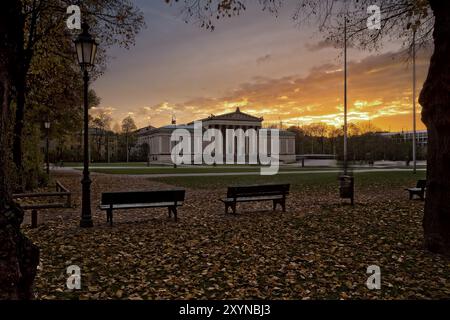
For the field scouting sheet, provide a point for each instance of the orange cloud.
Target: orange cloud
(379, 90)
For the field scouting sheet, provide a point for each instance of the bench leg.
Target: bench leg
(281, 202)
(34, 218)
(174, 209)
(110, 213)
(232, 206)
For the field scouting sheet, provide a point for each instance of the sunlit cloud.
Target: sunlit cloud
(379, 90)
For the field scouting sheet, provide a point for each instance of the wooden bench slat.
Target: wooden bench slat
(142, 196)
(44, 206)
(246, 199)
(141, 205)
(416, 189)
(40, 195)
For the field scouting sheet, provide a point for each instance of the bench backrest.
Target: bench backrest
(258, 190)
(176, 195)
(422, 184)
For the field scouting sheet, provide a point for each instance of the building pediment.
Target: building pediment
(234, 116)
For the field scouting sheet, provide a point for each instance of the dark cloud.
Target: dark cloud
(264, 59)
(324, 44)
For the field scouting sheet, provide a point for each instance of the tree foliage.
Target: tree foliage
(399, 18)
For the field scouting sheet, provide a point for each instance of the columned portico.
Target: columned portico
(160, 146)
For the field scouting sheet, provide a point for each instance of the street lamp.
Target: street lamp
(346, 181)
(86, 48)
(47, 128)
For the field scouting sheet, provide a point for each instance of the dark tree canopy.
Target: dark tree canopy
(398, 18)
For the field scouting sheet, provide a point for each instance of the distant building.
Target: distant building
(160, 146)
(405, 136)
(142, 134)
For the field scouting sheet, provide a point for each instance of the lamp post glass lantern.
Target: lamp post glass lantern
(86, 48)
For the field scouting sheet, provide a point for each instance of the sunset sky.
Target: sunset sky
(266, 65)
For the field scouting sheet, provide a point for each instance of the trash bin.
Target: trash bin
(347, 187)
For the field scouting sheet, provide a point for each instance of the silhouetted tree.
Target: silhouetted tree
(128, 128)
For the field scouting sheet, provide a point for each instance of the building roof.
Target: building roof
(402, 133)
(178, 126)
(144, 130)
(233, 116)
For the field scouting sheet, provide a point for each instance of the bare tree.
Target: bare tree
(128, 128)
(102, 124)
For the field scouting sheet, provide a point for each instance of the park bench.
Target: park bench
(419, 190)
(270, 192)
(62, 193)
(142, 199)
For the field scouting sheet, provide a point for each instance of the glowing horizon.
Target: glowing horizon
(267, 67)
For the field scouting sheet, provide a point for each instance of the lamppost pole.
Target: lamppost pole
(47, 130)
(86, 216)
(86, 48)
(345, 96)
(414, 102)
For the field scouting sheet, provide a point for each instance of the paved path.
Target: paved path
(257, 173)
(246, 173)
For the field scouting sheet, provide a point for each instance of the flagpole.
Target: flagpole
(414, 102)
(345, 95)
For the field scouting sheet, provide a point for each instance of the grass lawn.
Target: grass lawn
(299, 181)
(106, 164)
(193, 169)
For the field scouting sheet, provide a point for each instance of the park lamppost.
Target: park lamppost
(346, 181)
(414, 102)
(86, 48)
(47, 129)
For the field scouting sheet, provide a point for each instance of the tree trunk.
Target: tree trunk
(18, 256)
(20, 87)
(435, 100)
(127, 149)
(19, 121)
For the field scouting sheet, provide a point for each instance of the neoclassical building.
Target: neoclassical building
(160, 145)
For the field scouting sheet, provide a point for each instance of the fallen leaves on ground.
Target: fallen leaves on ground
(318, 249)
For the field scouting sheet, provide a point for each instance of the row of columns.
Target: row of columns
(223, 129)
